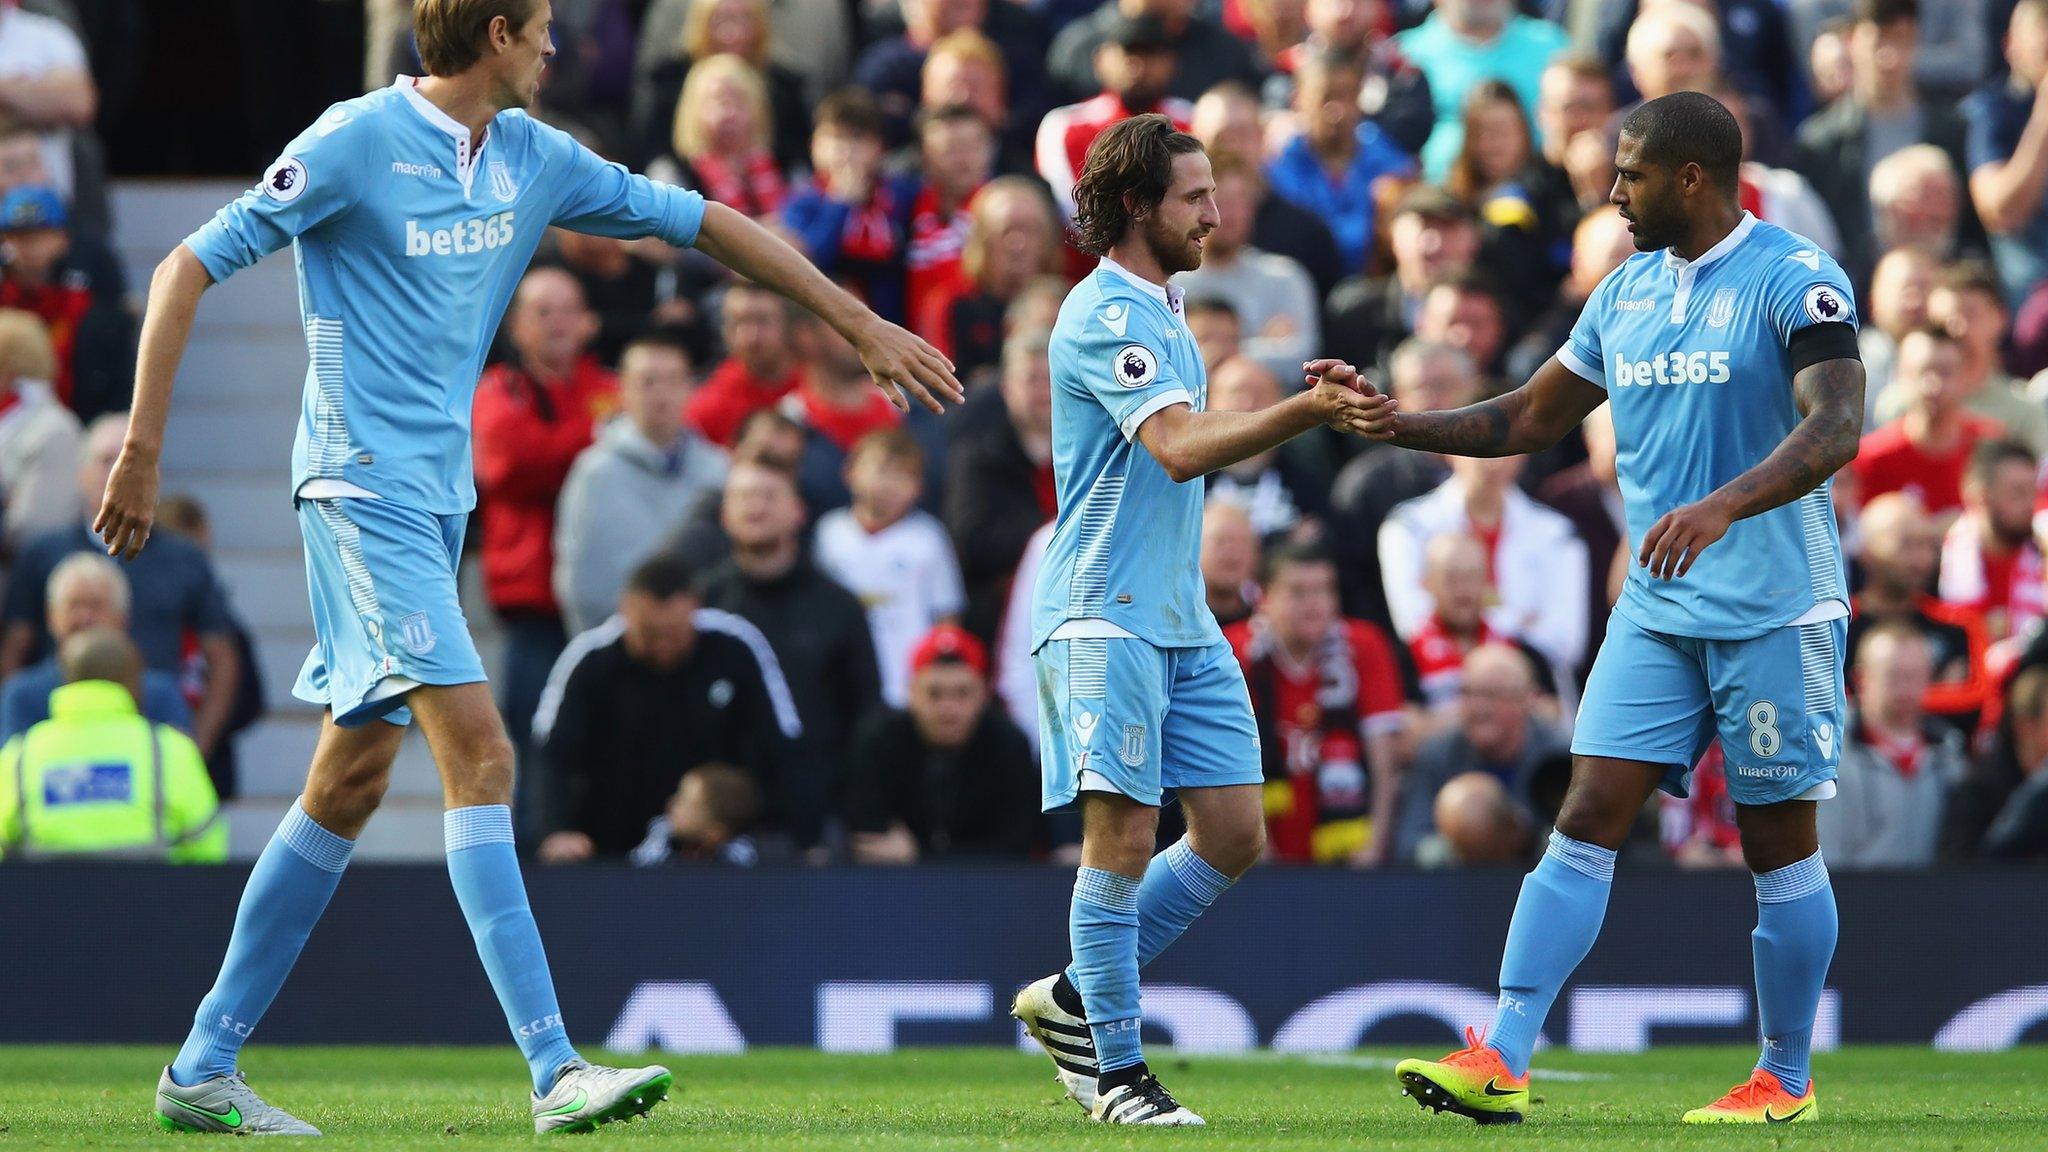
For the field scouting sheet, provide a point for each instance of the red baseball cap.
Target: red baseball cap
(949, 642)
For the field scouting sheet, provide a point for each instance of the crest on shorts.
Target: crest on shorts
(416, 633)
(1132, 752)
(501, 182)
(1722, 310)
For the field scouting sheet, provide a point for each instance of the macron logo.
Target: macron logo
(1117, 319)
(465, 237)
(402, 168)
(1825, 737)
(1808, 257)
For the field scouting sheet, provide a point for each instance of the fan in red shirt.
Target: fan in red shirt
(36, 278)
(1990, 562)
(1013, 238)
(957, 149)
(760, 365)
(1457, 573)
(1924, 451)
(1135, 65)
(1327, 694)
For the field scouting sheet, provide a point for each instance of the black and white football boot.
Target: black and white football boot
(1145, 1101)
(1051, 1012)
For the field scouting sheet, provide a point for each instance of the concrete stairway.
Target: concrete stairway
(229, 444)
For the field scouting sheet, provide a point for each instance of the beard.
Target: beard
(1174, 248)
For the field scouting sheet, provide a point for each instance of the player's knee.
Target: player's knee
(480, 771)
(351, 794)
(1594, 819)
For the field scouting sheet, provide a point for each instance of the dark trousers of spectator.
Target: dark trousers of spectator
(533, 642)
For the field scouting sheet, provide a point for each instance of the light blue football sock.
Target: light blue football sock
(1794, 939)
(1179, 886)
(1104, 927)
(287, 890)
(485, 872)
(1557, 918)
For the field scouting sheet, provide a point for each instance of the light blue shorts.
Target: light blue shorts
(1775, 701)
(386, 614)
(1138, 719)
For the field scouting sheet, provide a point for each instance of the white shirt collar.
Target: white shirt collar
(410, 86)
(1737, 235)
(1167, 294)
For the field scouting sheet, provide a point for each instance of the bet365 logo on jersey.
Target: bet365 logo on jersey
(466, 236)
(1670, 368)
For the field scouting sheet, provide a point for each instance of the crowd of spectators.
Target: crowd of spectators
(752, 611)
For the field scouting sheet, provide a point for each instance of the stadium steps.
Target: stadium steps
(229, 445)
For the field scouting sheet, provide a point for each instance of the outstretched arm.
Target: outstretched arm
(1529, 419)
(902, 365)
(129, 506)
(1830, 399)
(1191, 444)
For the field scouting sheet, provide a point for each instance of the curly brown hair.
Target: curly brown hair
(1128, 170)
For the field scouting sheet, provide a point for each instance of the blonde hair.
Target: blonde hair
(695, 41)
(968, 44)
(981, 225)
(1665, 19)
(688, 136)
(450, 33)
(25, 348)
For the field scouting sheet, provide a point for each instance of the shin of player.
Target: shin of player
(1725, 348)
(1140, 694)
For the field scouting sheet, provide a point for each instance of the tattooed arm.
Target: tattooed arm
(1529, 419)
(1830, 399)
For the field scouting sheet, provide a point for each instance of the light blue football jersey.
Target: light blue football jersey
(409, 247)
(1693, 357)
(1127, 543)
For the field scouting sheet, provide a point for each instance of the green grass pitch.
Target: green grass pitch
(1872, 1100)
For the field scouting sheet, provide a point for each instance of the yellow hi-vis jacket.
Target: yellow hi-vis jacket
(98, 780)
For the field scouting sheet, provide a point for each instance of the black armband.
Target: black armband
(1819, 343)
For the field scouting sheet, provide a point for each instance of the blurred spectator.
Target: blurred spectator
(1461, 593)
(895, 558)
(86, 591)
(1424, 377)
(1778, 196)
(39, 437)
(1016, 672)
(1916, 201)
(1433, 236)
(98, 779)
(534, 413)
(2001, 810)
(661, 687)
(1134, 70)
(1897, 768)
(1013, 239)
(1744, 40)
(966, 70)
(1275, 27)
(1829, 71)
(1217, 328)
(1275, 301)
(1228, 122)
(1699, 829)
(1574, 95)
(176, 606)
(838, 406)
(956, 157)
(948, 777)
(1967, 303)
(91, 332)
(765, 437)
(1463, 42)
(1537, 561)
(709, 820)
(815, 41)
(2008, 153)
(1589, 495)
(186, 517)
(760, 365)
(1207, 54)
(1477, 823)
(1900, 558)
(818, 630)
(1497, 733)
(1923, 452)
(1336, 165)
(1327, 695)
(1229, 561)
(1990, 561)
(1896, 305)
(721, 140)
(999, 483)
(852, 220)
(1839, 148)
(623, 290)
(1396, 94)
(1284, 490)
(46, 83)
(1600, 243)
(645, 460)
(740, 28)
(891, 67)
(1527, 205)
(2028, 354)
(1467, 311)
(1954, 46)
